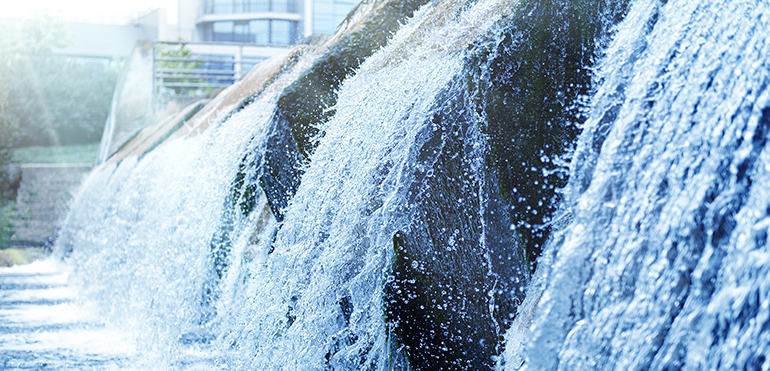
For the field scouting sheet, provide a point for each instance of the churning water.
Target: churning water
(664, 263)
(657, 257)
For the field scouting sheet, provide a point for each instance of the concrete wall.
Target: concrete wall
(187, 14)
(105, 41)
(108, 41)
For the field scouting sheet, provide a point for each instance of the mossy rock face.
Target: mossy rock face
(304, 105)
(459, 271)
(242, 200)
(305, 102)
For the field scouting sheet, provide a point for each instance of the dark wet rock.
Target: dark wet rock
(480, 216)
(489, 166)
(304, 105)
(301, 108)
(529, 82)
(282, 166)
(459, 270)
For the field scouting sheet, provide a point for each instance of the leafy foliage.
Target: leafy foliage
(6, 227)
(52, 99)
(9, 129)
(181, 52)
(9, 132)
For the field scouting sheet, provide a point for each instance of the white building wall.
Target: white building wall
(104, 41)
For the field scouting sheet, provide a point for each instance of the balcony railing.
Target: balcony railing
(197, 69)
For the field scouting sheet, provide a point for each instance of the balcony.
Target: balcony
(196, 69)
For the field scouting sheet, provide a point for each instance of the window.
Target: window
(260, 31)
(241, 32)
(249, 6)
(222, 6)
(327, 14)
(284, 6)
(257, 6)
(223, 31)
(281, 32)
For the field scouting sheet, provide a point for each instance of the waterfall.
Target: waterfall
(664, 262)
(493, 184)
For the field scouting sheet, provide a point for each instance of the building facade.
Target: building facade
(274, 23)
(262, 22)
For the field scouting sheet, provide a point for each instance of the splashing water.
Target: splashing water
(664, 262)
(656, 258)
(289, 287)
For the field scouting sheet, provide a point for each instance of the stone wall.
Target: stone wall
(42, 202)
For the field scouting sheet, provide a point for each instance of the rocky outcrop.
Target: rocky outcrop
(304, 106)
(463, 263)
(459, 270)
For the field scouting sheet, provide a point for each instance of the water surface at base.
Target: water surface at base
(43, 325)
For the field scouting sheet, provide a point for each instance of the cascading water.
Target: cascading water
(664, 262)
(299, 290)
(399, 230)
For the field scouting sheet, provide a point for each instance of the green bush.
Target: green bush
(11, 257)
(9, 130)
(6, 227)
(52, 99)
(181, 51)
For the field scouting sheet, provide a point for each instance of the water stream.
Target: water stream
(180, 259)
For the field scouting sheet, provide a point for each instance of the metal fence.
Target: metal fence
(197, 69)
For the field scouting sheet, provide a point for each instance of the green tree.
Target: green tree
(54, 99)
(45, 98)
(9, 132)
(184, 66)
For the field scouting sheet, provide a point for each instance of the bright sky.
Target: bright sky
(91, 8)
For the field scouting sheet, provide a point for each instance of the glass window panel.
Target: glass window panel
(259, 31)
(328, 14)
(341, 10)
(323, 23)
(241, 32)
(284, 6)
(223, 6)
(207, 32)
(239, 6)
(282, 32)
(223, 31)
(323, 16)
(257, 6)
(291, 6)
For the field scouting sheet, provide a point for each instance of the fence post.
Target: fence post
(238, 63)
(154, 71)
